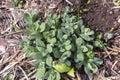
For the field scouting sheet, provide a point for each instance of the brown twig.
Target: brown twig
(24, 72)
(29, 75)
(69, 2)
(78, 76)
(10, 33)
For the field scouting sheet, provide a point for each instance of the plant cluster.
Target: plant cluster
(60, 44)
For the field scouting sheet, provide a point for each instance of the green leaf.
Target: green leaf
(90, 47)
(49, 61)
(79, 57)
(117, 3)
(75, 27)
(99, 43)
(84, 48)
(27, 18)
(39, 42)
(88, 2)
(11, 77)
(82, 28)
(59, 34)
(90, 54)
(87, 71)
(73, 47)
(62, 50)
(98, 61)
(41, 49)
(45, 53)
(65, 36)
(93, 67)
(56, 53)
(67, 42)
(71, 72)
(68, 62)
(47, 74)
(42, 27)
(86, 37)
(57, 76)
(52, 33)
(40, 73)
(54, 75)
(108, 36)
(49, 48)
(67, 54)
(34, 17)
(79, 41)
(52, 41)
(68, 47)
(79, 65)
(88, 31)
(61, 66)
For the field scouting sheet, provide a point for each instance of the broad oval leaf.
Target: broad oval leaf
(40, 73)
(52, 41)
(84, 48)
(67, 42)
(86, 37)
(79, 57)
(87, 71)
(49, 48)
(98, 61)
(79, 41)
(65, 36)
(90, 54)
(49, 61)
(68, 47)
(42, 27)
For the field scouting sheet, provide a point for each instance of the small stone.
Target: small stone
(111, 12)
(119, 20)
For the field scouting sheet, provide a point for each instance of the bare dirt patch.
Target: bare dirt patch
(102, 15)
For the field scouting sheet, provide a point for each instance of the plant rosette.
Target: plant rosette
(58, 43)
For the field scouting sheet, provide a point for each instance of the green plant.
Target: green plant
(117, 3)
(88, 2)
(18, 3)
(58, 43)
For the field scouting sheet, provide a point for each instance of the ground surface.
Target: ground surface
(102, 15)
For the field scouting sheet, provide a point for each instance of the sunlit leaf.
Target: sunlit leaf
(79, 41)
(42, 27)
(84, 48)
(68, 47)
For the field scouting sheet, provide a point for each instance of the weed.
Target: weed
(59, 45)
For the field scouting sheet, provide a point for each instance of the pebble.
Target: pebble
(119, 20)
(111, 12)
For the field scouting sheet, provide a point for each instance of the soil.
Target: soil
(102, 15)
